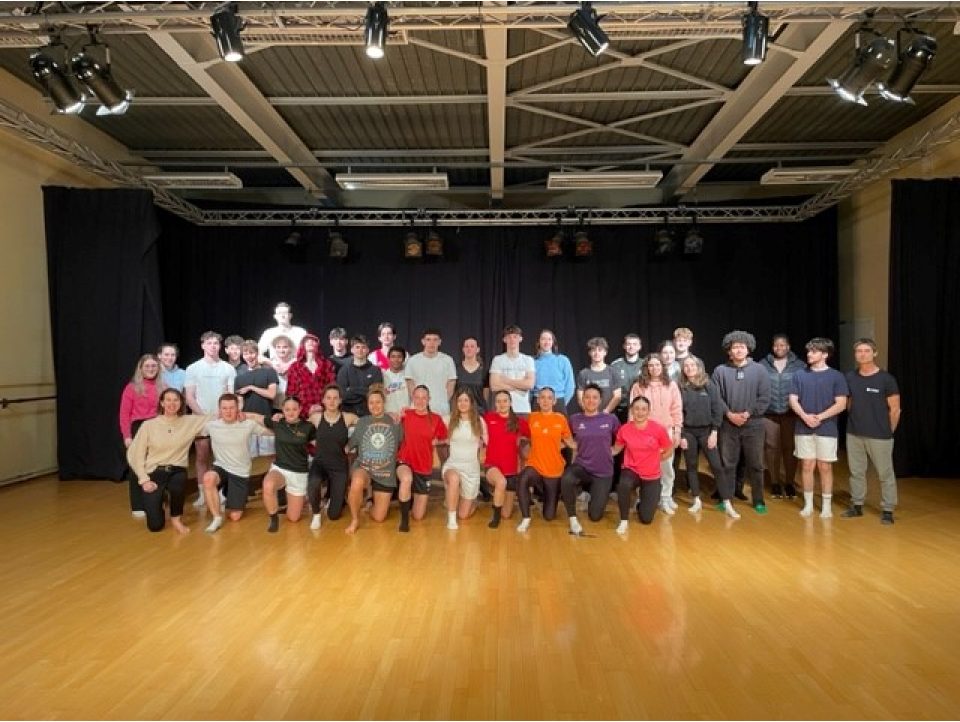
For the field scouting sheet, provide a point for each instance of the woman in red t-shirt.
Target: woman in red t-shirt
(549, 433)
(422, 431)
(647, 444)
(504, 429)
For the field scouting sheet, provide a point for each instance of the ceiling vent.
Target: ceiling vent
(393, 181)
(604, 180)
(194, 180)
(794, 176)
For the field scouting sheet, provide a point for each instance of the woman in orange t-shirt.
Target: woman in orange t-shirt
(549, 433)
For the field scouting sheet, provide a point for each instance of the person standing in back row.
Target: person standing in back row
(872, 418)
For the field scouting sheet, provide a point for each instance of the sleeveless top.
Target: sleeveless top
(331, 438)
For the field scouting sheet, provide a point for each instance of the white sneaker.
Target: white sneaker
(583, 500)
(672, 504)
(696, 506)
(665, 508)
(806, 511)
(622, 527)
(524, 525)
(575, 527)
(826, 513)
(729, 510)
(315, 522)
(138, 514)
(214, 525)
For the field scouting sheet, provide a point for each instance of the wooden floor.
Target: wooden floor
(769, 617)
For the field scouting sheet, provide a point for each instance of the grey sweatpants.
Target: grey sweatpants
(860, 450)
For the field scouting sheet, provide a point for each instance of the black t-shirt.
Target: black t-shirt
(292, 440)
(260, 377)
(868, 414)
(474, 382)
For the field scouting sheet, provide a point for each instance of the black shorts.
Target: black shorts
(382, 488)
(237, 487)
(421, 483)
(511, 478)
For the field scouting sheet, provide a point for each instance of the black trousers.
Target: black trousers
(136, 493)
(696, 437)
(336, 480)
(170, 480)
(548, 486)
(598, 486)
(649, 495)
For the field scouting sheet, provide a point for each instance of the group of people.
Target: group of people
(358, 428)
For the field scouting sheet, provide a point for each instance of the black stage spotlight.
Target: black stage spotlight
(412, 245)
(693, 241)
(582, 245)
(55, 82)
(99, 81)
(338, 247)
(870, 63)
(585, 26)
(663, 244)
(375, 30)
(434, 245)
(755, 30)
(226, 26)
(553, 246)
(294, 240)
(912, 61)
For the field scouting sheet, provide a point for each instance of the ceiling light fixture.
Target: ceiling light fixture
(338, 247)
(868, 65)
(756, 28)
(226, 26)
(585, 26)
(912, 61)
(393, 181)
(375, 30)
(603, 179)
(55, 82)
(98, 79)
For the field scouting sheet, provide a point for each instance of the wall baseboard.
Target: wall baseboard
(27, 476)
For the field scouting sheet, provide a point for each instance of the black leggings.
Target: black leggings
(696, 437)
(136, 493)
(598, 486)
(336, 488)
(548, 486)
(173, 481)
(649, 495)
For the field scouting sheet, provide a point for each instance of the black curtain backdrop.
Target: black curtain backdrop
(105, 311)
(924, 323)
(759, 277)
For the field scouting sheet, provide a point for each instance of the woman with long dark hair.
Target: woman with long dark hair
(502, 460)
(646, 446)
(461, 472)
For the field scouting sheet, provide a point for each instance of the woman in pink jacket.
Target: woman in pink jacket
(138, 402)
(666, 409)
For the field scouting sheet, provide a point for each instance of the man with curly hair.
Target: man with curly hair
(745, 391)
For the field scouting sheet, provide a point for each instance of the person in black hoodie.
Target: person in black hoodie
(356, 378)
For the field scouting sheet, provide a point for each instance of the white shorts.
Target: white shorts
(296, 482)
(811, 446)
(469, 480)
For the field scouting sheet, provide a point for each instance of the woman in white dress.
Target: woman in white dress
(461, 472)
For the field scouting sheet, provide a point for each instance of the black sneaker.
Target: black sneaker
(715, 495)
(741, 496)
(887, 517)
(776, 491)
(789, 491)
(852, 511)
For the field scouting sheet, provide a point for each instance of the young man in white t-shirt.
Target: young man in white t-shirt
(513, 371)
(205, 382)
(435, 370)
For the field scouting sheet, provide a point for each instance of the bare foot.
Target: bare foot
(179, 525)
(352, 528)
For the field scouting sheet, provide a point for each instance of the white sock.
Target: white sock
(729, 510)
(696, 506)
(622, 526)
(808, 502)
(452, 520)
(575, 525)
(315, 522)
(214, 525)
(523, 525)
(665, 507)
(826, 506)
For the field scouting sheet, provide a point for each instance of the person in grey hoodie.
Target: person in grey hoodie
(745, 391)
(780, 364)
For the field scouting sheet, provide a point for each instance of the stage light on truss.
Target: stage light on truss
(868, 65)
(226, 26)
(912, 61)
(756, 28)
(56, 83)
(98, 79)
(434, 245)
(582, 245)
(693, 240)
(585, 26)
(338, 247)
(553, 246)
(375, 30)
(412, 245)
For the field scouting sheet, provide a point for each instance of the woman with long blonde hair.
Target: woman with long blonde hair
(461, 472)
(138, 402)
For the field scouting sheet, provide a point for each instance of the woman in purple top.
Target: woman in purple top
(592, 469)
